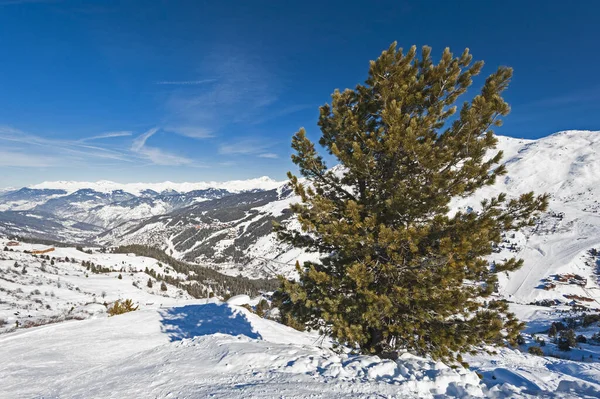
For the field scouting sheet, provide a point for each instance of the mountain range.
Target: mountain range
(228, 225)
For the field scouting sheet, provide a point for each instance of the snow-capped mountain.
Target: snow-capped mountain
(107, 204)
(105, 186)
(231, 229)
(236, 234)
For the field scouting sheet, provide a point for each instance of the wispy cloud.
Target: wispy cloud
(251, 146)
(190, 131)
(271, 115)
(241, 88)
(155, 154)
(18, 148)
(185, 82)
(108, 135)
(268, 155)
(61, 148)
(26, 160)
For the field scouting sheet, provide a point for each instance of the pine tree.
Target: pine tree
(567, 340)
(163, 286)
(401, 271)
(149, 284)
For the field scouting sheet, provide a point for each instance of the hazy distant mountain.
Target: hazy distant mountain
(104, 205)
(105, 186)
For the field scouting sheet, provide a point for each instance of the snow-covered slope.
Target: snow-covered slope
(565, 165)
(204, 348)
(34, 290)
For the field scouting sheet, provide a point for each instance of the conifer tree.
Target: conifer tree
(400, 270)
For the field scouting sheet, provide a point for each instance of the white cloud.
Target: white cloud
(108, 135)
(268, 155)
(252, 146)
(63, 152)
(243, 87)
(21, 159)
(156, 155)
(140, 141)
(190, 131)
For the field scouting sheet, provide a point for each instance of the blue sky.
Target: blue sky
(213, 90)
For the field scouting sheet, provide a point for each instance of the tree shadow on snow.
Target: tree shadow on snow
(197, 320)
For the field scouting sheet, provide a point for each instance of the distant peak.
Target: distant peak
(107, 186)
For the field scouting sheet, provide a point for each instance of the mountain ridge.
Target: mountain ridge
(105, 186)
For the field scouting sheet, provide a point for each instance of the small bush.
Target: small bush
(567, 340)
(535, 350)
(581, 338)
(122, 307)
(262, 307)
(590, 319)
(120, 277)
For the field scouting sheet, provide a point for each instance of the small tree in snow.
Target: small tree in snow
(567, 340)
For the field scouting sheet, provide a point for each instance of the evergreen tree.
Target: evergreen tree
(567, 340)
(163, 286)
(401, 271)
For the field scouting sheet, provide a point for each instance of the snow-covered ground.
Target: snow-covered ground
(38, 291)
(203, 348)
